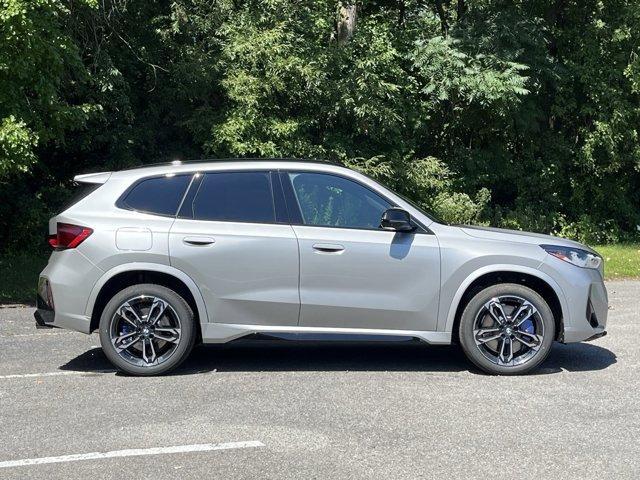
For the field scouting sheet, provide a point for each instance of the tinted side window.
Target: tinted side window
(235, 197)
(160, 195)
(332, 201)
(80, 191)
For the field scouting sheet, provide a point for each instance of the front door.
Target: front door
(229, 240)
(352, 273)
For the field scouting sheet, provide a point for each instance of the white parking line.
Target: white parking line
(53, 374)
(33, 334)
(202, 447)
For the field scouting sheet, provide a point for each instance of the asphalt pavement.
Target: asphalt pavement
(314, 410)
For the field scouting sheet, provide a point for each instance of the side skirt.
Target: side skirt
(225, 332)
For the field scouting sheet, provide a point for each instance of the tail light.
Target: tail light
(69, 236)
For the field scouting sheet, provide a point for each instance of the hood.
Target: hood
(506, 235)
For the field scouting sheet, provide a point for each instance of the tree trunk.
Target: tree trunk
(462, 8)
(444, 24)
(347, 16)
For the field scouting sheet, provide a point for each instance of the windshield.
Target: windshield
(409, 201)
(420, 209)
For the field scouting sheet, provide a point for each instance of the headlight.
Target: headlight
(576, 256)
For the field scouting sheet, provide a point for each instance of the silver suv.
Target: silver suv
(161, 257)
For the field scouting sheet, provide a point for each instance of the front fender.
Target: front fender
(451, 313)
(151, 267)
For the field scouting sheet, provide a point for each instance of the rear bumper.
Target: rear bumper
(40, 320)
(63, 290)
(45, 308)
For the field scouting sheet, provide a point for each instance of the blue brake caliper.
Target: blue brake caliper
(125, 328)
(527, 327)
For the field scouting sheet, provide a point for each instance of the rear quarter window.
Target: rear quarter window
(156, 195)
(80, 191)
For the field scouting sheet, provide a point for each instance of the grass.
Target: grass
(620, 261)
(19, 272)
(19, 276)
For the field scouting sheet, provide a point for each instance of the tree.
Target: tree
(521, 114)
(37, 59)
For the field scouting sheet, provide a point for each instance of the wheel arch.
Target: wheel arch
(538, 281)
(123, 276)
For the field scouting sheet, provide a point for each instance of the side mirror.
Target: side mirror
(396, 219)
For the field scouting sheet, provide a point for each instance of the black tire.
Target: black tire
(479, 355)
(178, 349)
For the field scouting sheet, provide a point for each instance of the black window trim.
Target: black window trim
(279, 200)
(270, 175)
(186, 193)
(289, 191)
(191, 193)
(120, 203)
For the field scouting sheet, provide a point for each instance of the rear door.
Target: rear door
(231, 236)
(353, 274)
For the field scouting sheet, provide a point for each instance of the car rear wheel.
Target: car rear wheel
(507, 329)
(147, 329)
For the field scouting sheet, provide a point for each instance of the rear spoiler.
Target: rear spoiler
(100, 177)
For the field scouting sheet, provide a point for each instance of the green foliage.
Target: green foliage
(19, 273)
(519, 114)
(620, 261)
(16, 146)
(37, 55)
(451, 74)
(586, 230)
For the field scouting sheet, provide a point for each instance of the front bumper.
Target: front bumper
(596, 336)
(586, 308)
(593, 321)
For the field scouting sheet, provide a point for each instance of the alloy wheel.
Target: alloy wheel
(145, 331)
(508, 330)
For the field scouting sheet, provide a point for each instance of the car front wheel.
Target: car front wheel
(147, 329)
(507, 329)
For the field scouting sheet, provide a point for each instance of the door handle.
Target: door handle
(328, 248)
(198, 241)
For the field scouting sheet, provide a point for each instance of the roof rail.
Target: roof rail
(210, 160)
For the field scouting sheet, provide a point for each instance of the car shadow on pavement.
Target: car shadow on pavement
(247, 355)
